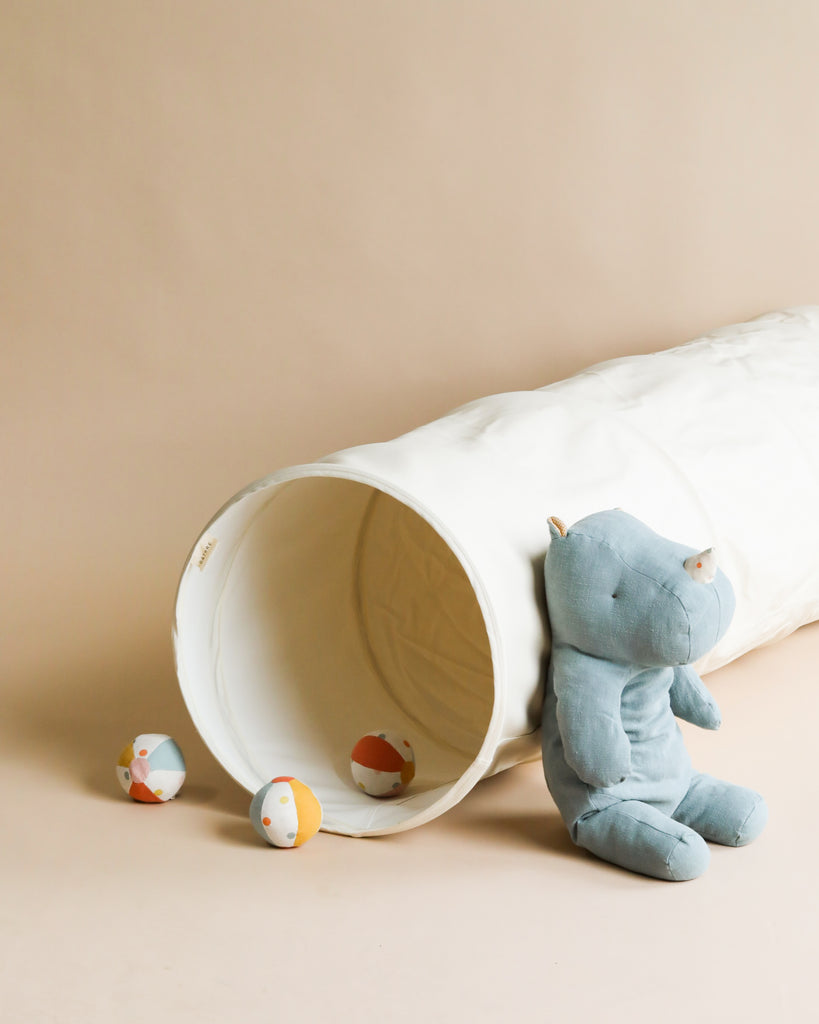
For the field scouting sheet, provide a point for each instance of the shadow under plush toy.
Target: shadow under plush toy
(629, 612)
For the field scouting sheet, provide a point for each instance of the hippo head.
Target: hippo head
(619, 591)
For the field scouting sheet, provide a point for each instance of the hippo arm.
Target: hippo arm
(588, 692)
(691, 701)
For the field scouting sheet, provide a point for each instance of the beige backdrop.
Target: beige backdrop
(236, 236)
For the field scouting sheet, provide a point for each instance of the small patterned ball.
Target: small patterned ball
(151, 769)
(285, 812)
(383, 763)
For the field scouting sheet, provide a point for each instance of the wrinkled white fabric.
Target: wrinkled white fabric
(713, 444)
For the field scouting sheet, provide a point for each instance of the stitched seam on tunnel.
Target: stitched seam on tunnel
(364, 631)
(494, 731)
(220, 685)
(621, 415)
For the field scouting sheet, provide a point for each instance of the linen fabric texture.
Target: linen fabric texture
(628, 617)
(419, 560)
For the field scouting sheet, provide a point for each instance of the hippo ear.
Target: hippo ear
(557, 528)
(702, 568)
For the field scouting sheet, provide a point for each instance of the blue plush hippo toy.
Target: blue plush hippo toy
(629, 612)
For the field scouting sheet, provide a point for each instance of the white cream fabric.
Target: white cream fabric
(399, 585)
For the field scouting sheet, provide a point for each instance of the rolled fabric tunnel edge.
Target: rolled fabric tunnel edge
(398, 584)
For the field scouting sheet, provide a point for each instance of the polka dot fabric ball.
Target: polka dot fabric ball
(285, 812)
(151, 769)
(383, 763)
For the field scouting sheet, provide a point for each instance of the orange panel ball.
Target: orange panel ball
(285, 812)
(151, 769)
(383, 763)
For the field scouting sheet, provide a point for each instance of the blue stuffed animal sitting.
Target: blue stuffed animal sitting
(629, 612)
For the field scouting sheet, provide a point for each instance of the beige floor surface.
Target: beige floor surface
(234, 237)
(114, 910)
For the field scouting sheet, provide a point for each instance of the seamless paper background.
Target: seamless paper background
(234, 237)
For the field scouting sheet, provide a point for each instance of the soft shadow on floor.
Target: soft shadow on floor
(240, 833)
(543, 830)
(73, 720)
(512, 808)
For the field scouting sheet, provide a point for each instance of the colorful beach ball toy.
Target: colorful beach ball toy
(383, 763)
(151, 769)
(285, 812)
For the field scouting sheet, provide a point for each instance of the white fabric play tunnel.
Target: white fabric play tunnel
(397, 586)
